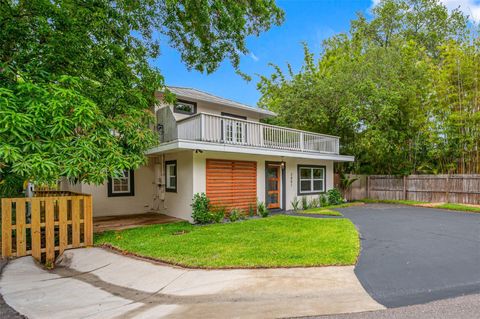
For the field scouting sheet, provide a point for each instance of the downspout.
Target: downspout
(159, 183)
(163, 181)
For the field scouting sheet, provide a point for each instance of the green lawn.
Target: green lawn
(459, 207)
(320, 211)
(394, 201)
(449, 206)
(277, 241)
(328, 210)
(344, 205)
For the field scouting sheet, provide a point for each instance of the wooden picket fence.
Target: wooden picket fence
(45, 226)
(456, 188)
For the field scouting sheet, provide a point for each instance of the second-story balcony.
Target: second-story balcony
(226, 130)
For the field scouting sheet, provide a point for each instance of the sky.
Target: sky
(310, 21)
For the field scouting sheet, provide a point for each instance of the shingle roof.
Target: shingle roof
(191, 93)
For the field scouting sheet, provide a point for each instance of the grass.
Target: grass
(459, 207)
(344, 205)
(320, 211)
(277, 241)
(449, 206)
(327, 210)
(394, 201)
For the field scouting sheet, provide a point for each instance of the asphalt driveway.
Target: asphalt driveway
(412, 255)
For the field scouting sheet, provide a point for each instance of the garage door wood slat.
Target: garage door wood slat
(231, 184)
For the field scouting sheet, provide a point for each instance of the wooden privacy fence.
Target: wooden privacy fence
(46, 226)
(459, 188)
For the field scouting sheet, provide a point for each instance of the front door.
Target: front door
(273, 185)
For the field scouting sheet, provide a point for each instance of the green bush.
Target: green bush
(262, 209)
(334, 197)
(304, 203)
(201, 209)
(314, 203)
(251, 210)
(323, 200)
(218, 214)
(235, 214)
(295, 204)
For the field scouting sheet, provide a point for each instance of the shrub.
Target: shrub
(304, 203)
(201, 209)
(218, 214)
(334, 197)
(295, 204)
(234, 215)
(251, 210)
(262, 209)
(314, 203)
(323, 200)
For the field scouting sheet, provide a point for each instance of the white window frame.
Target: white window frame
(235, 131)
(168, 176)
(126, 178)
(193, 105)
(312, 179)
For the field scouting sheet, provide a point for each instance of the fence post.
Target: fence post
(21, 228)
(88, 221)
(49, 232)
(405, 187)
(6, 228)
(447, 189)
(368, 187)
(36, 229)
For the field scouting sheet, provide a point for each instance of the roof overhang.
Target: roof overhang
(198, 95)
(179, 145)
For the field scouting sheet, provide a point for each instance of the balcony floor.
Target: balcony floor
(178, 145)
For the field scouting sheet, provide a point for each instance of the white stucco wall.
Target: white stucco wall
(124, 205)
(199, 172)
(191, 179)
(178, 204)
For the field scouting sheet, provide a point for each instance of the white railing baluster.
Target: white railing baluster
(227, 130)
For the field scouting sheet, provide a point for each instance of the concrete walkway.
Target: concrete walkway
(95, 283)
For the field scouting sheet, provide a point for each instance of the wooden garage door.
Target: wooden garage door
(232, 184)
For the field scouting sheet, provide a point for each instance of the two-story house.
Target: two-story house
(216, 146)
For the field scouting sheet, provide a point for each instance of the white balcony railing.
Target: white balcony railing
(227, 130)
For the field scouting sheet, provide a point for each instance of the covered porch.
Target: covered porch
(104, 223)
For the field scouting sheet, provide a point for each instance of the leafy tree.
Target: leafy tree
(454, 128)
(379, 88)
(77, 88)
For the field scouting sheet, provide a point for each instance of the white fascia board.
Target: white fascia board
(207, 146)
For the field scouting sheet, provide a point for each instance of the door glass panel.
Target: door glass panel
(272, 172)
(239, 132)
(273, 198)
(229, 132)
(272, 185)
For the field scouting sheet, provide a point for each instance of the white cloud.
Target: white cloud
(254, 57)
(469, 7)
